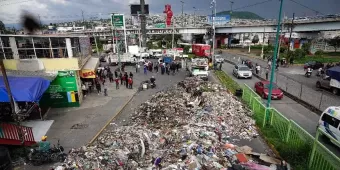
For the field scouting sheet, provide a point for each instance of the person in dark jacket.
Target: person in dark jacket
(116, 73)
(126, 79)
(131, 75)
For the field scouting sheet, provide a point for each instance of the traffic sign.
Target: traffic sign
(117, 20)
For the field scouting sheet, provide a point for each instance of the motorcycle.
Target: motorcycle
(153, 85)
(55, 154)
(308, 74)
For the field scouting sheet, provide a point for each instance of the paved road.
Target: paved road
(288, 107)
(292, 79)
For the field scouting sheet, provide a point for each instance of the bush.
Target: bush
(283, 49)
(306, 47)
(299, 53)
(319, 53)
(223, 46)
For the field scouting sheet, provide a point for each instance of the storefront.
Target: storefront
(88, 73)
(64, 91)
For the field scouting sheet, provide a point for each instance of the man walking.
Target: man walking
(267, 72)
(111, 77)
(98, 88)
(130, 82)
(105, 89)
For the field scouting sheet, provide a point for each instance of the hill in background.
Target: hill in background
(241, 15)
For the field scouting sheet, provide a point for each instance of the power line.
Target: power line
(255, 4)
(318, 12)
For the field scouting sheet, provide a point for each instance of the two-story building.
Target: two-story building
(60, 58)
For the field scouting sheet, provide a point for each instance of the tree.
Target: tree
(255, 39)
(2, 26)
(299, 53)
(335, 42)
(306, 47)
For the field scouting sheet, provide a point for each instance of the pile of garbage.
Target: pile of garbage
(191, 126)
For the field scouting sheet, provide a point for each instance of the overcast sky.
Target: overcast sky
(59, 10)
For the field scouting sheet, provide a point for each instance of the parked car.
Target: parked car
(313, 64)
(262, 88)
(242, 71)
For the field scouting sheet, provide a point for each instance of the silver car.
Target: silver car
(242, 71)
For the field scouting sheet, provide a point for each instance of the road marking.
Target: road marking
(112, 118)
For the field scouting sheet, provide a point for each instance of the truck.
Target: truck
(155, 53)
(330, 80)
(198, 67)
(124, 58)
(201, 50)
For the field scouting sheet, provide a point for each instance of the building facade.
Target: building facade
(63, 56)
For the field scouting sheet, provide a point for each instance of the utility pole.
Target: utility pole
(278, 54)
(274, 61)
(264, 33)
(82, 14)
(213, 6)
(291, 31)
(173, 33)
(40, 25)
(231, 8)
(182, 14)
(143, 24)
(194, 15)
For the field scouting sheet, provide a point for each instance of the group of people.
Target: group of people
(119, 77)
(165, 68)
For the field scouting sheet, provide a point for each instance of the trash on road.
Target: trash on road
(190, 126)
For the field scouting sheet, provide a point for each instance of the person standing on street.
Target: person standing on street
(98, 87)
(156, 67)
(121, 78)
(83, 88)
(105, 89)
(126, 79)
(258, 68)
(117, 82)
(267, 72)
(116, 74)
(111, 77)
(145, 69)
(131, 75)
(220, 66)
(130, 83)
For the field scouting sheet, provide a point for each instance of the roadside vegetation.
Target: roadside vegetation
(297, 157)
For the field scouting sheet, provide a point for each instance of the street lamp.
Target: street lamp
(194, 16)
(213, 7)
(182, 14)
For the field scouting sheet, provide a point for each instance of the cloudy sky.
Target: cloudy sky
(61, 10)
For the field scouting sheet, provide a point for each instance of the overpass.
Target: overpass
(267, 28)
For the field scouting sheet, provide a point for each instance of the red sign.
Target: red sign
(88, 74)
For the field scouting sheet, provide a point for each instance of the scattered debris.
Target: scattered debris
(189, 126)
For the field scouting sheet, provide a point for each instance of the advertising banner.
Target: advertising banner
(62, 92)
(88, 74)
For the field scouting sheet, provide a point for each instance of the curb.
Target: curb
(111, 119)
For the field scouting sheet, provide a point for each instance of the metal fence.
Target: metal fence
(318, 99)
(291, 134)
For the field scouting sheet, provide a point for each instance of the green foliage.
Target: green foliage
(223, 46)
(319, 53)
(186, 49)
(335, 42)
(299, 53)
(268, 50)
(227, 81)
(322, 59)
(255, 39)
(306, 47)
(241, 15)
(283, 49)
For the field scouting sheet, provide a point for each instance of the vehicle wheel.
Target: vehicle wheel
(237, 77)
(318, 85)
(335, 91)
(263, 96)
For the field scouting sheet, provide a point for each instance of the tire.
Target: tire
(318, 85)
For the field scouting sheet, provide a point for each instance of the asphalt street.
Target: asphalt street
(307, 119)
(292, 80)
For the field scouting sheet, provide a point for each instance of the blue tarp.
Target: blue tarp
(334, 72)
(24, 89)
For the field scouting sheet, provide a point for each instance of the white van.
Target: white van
(329, 123)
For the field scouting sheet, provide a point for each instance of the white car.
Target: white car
(242, 71)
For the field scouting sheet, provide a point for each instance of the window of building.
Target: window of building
(42, 47)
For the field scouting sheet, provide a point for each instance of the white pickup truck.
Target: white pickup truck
(124, 58)
(198, 67)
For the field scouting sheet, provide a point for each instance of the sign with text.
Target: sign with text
(88, 74)
(219, 19)
(117, 20)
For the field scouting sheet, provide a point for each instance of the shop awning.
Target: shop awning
(24, 89)
(89, 69)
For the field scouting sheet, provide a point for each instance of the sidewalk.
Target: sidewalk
(75, 127)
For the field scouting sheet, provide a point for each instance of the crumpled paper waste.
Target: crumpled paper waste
(189, 126)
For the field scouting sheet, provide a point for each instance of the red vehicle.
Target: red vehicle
(9, 135)
(262, 88)
(201, 50)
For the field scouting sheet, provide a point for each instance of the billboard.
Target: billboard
(219, 19)
(136, 9)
